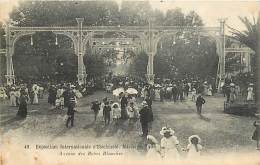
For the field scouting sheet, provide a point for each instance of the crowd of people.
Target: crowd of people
(125, 105)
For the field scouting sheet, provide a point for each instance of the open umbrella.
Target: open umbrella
(131, 91)
(117, 91)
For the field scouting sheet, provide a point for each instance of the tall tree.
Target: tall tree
(248, 36)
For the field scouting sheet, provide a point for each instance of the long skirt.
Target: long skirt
(12, 101)
(35, 99)
(22, 111)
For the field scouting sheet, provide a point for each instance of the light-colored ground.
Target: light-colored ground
(219, 132)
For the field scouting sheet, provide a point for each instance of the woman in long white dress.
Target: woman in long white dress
(153, 148)
(157, 93)
(169, 144)
(250, 94)
(12, 97)
(100, 115)
(35, 94)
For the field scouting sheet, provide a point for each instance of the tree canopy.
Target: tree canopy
(45, 54)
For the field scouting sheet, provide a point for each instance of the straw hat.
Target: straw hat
(152, 139)
(166, 130)
(194, 136)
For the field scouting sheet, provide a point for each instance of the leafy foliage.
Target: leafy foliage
(44, 58)
(248, 36)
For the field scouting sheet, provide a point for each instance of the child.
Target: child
(194, 147)
(169, 144)
(57, 103)
(153, 148)
(61, 102)
(132, 112)
(116, 110)
(193, 94)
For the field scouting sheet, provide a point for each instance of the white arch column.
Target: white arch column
(81, 47)
(10, 78)
(220, 42)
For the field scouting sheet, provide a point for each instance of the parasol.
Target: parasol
(131, 91)
(117, 91)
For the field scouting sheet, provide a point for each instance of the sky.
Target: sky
(209, 10)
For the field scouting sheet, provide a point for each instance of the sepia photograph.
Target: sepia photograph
(129, 82)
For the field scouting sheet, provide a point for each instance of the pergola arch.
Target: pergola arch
(148, 38)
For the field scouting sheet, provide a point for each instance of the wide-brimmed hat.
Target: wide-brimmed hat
(232, 84)
(152, 139)
(251, 84)
(194, 136)
(144, 103)
(166, 130)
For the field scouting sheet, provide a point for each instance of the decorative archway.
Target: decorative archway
(148, 37)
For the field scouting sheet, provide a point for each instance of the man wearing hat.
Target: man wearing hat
(144, 118)
(199, 102)
(95, 107)
(71, 110)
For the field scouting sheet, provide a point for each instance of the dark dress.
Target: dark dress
(124, 103)
(256, 134)
(22, 111)
(106, 111)
(150, 112)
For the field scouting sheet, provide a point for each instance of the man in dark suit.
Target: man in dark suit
(144, 118)
(71, 110)
(95, 107)
(199, 102)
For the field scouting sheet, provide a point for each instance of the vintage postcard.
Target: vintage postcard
(123, 82)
